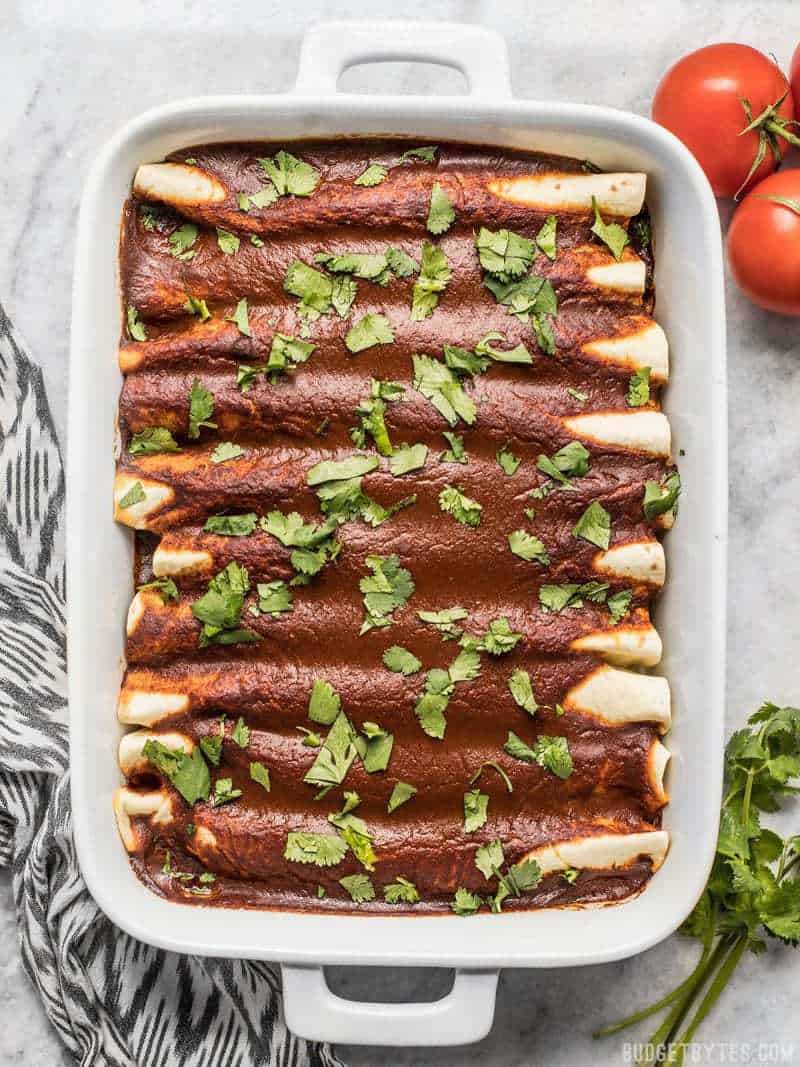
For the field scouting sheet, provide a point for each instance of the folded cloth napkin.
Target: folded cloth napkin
(113, 1000)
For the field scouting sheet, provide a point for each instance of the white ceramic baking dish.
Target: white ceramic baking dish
(690, 615)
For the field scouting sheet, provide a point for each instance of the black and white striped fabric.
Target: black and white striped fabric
(113, 1000)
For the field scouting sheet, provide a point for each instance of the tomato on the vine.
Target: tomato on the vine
(733, 108)
(764, 243)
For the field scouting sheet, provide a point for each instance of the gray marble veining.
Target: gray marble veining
(72, 71)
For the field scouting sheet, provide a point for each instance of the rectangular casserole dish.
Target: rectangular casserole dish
(690, 614)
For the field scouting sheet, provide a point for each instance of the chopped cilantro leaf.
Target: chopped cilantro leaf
(135, 495)
(504, 253)
(594, 525)
(165, 587)
(136, 328)
(225, 451)
(639, 388)
(385, 590)
(231, 525)
(476, 807)
(519, 354)
(408, 458)
(274, 598)
(495, 766)
(660, 497)
(152, 440)
(619, 605)
(374, 174)
(330, 470)
(401, 891)
(499, 638)
(290, 175)
(556, 598)
(375, 747)
(401, 793)
(322, 850)
(461, 507)
(228, 242)
(546, 237)
(400, 263)
(465, 903)
(288, 352)
(613, 236)
(195, 306)
(426, 153)
(181, 241)
(359, 886)
(220, 607)
(509, 463)
(336, 756)
(441, 215)
(259, 773)
(528, 547)
(324, 703)
(201, 408)
(370, 330)
(188, 773)
(433, 277)
(240, 317)
(401, 661)
(455, 453)
(522, 691)
(439, 384)
(576, 394)
(553, 754)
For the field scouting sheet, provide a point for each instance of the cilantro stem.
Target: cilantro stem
(685, 986)
(712, 995)
(675, 1017)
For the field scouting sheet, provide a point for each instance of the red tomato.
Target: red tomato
(700, 101)
(764, 244)
(794, 75)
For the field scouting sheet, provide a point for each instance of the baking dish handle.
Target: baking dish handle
(464, 1015)
(331, 48)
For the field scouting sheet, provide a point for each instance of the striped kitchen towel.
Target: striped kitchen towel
(113, 1000)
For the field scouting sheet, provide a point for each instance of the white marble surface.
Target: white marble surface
(71, 71)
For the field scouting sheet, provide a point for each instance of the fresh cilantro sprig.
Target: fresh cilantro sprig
(753, 892)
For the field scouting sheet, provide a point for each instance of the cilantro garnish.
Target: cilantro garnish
(385, 590)
(441, 215)
(426, 153)
(528, 547)
(375, 747)
(518, 878)
(576, 394)
(313, 546)
(224, 792)
(166, 587)
(287, 352)
(336, 756)
(445, 621)
(433, 277)
(546, 237)
(370, 330)
(324, 704)
(211, 745)
(509, 463)
(613, 236)
(461, 507)
(315, 291)
(136, 328)
(354, 832)
(372, 416)
(311, 738)
(241, 733)
(753, 888)
(359, 886)
(135, 495)
(660, 497)
(181, 241)
(322, 850)
(455, 453)
(476, 808)
(619, 605)
(231, 525)
(522, 691)
(401, 661)
(201, 408)
(639, 388)
(571, 461)
(504, 253)
(549, 752)
(401, 891)
(220, 608)
(400, 263)
(439, 384)
(528, 296)
(518, 354)
(265, 197)
(594, 525)
(465, 903)
(195, 306)
(372, 267)
(226, 450)
(464, 362)
(189, 774)
(374, 174)
(331, 470)
(408, 458)
(499, 638)
(401, 793)
(290, 175)
(557, 598)
(259, 773)
(152, 440)
(228, 242)
(240, 317)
